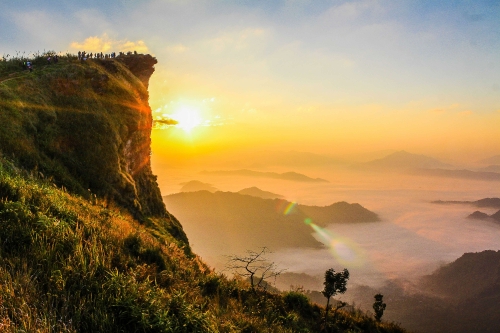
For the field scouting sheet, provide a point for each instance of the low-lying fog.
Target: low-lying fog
(414, 238)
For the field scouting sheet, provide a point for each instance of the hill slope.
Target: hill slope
(224, 223)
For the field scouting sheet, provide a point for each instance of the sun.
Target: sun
(187, 118)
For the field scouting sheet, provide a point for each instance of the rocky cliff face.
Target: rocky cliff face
(87, 126)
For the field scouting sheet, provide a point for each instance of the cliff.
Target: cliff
(87, 125)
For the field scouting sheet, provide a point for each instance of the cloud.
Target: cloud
(440, 110)
(167, 121)
(105, 44)
(466, 113)
(237, 40)
(178, 48)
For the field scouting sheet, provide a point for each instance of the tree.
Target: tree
(255, 267)
(335, 283)
(379, 306)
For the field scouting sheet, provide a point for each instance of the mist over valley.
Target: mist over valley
(414, 237)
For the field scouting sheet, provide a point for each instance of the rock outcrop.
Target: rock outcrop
(86, 125)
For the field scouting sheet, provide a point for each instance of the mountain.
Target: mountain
(292, 176)
(286, 159)
(460, 297)
(491, 168)
(481, 203)
(491, 160)
(496, 216)
(86, 244)
(196, 185)
(404, 160)
(463, 174)
(257, 192)
(454, 280)
(477, 215)
(224, 223)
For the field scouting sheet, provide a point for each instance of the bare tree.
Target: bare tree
(255, 267)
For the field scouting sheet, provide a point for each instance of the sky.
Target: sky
(328, 77)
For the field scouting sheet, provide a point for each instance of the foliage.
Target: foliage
(335, 283)
(379, 306)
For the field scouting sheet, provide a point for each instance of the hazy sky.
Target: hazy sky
(321, 76)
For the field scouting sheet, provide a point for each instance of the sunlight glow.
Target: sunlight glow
(187, 118)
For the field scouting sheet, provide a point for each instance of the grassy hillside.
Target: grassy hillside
(84, 244)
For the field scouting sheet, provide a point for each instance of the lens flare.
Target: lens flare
(289, 208)
(344, 250)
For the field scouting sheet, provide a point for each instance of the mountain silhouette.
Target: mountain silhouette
(477, 215)
(293, 176)
(257, 192)
(495, 160)
(460, 297)
(496, 216)
(462, 174)
(481, 203)
(404, 160)
(490, 168)
(227, 222)
(196, 185)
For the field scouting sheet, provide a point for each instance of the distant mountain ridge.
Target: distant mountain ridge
(482, 203)
(477, 215)
(293, 176)
(453, 280)
(492, 160)
(291, 159)
(257, 192)
(486, 202)
(196, 185)
(404, 160)
(460, 297)
(227, 222)
(462, 174)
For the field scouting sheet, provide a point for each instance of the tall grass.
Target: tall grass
(69, 264)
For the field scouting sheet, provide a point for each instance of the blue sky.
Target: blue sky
(431, 67)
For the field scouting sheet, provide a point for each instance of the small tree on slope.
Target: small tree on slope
(335, 283)
(379, 306)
